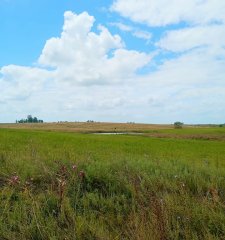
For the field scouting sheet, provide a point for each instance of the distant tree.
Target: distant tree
(35, 120)
(30, 119)
(178, 124)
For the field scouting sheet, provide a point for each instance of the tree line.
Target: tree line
(30, 119)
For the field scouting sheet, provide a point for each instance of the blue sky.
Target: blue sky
(122, 60)
(26, 25)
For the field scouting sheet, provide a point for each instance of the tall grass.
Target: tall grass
(82, 186)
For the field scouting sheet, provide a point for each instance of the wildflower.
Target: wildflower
(81, 174)
(14, 180)
(74, 167)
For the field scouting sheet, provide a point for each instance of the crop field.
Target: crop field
(60, 181)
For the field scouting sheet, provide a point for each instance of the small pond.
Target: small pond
(118, 133)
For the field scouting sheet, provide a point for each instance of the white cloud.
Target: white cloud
(195, 68)
(79, 57)
(142, 34)
(136, 32)
(122, 26)
(20, 82)
(188, 38)
(77, 43)
(163, 12)
(190, 83)
(82, 56)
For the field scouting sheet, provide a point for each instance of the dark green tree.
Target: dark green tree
(35, 120)
(29, 119)
(178, 124)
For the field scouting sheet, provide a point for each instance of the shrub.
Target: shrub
(178, 124)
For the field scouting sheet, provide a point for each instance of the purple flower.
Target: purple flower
(14, 180)
(82, 174)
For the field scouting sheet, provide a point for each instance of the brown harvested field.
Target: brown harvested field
(87, 127)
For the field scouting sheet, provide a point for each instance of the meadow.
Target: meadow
(66, 184)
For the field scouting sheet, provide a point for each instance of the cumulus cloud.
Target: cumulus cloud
(85, 57)
(67, 64)
(77, 43)
(163, 12)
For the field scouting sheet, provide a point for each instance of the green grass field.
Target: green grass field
(122, 187)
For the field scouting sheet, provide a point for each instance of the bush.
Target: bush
(178, 124)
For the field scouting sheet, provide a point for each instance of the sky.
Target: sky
(143, 61)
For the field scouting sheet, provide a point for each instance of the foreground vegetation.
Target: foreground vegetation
(56, 185)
